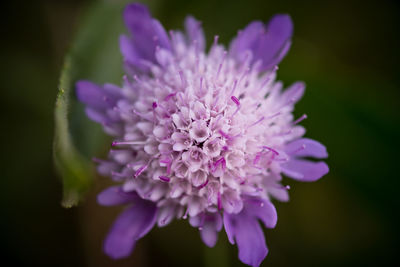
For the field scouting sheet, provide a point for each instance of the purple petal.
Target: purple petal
(279, 192)
(131, 225)
(147, 34)
(263, 210)
(229, 226)
(129, 52)
(209, 235)
(209, 232)
(275, 43)
(112, 91)
(294, 92)
(195, 32)
(246, 40)
(304, 170)
(306, 147)
(249, 238)
(96, 115)
(162, 39)
(115, 196)
(92, 95)
(268, 44)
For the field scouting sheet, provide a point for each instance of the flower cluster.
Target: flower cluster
(200, 136)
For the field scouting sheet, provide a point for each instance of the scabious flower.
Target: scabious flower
(200, 136)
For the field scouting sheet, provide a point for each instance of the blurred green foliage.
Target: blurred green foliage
(345, 51)
(95, 56)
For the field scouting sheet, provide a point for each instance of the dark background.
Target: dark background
(345, 51)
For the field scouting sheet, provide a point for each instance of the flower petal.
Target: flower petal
(114, 195)
(96, 115)
(279, 192)
(246, 40)
(311, 148)
(92, 95)
(249, 237)
(294, 92)
(262, 209)
(268, 44)
(275, 43)
(147, 34)
(229, 226)
(209, 232)
(129, 52)
(304, 170)
(195, 32)
(131, 225)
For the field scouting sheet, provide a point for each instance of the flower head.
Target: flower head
(200, 136)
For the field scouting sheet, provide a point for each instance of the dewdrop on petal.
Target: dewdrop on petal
(203, 136)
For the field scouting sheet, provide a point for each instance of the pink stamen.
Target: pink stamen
(303, 117)
(140, 171)
(203, 185)
(271, 149)
(257, 122)
(185, 215)
(224, 134)
(221, 64)
(169, 96)
(257, 159)
(273, 115)
(241, 180)
(165, 179)
(129, 143)
(235, 100)
(218, 162)
(216, 37)
(237, 103)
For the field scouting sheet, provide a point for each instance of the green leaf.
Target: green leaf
(94, 56)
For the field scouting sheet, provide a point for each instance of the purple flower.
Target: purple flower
(203, 136)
